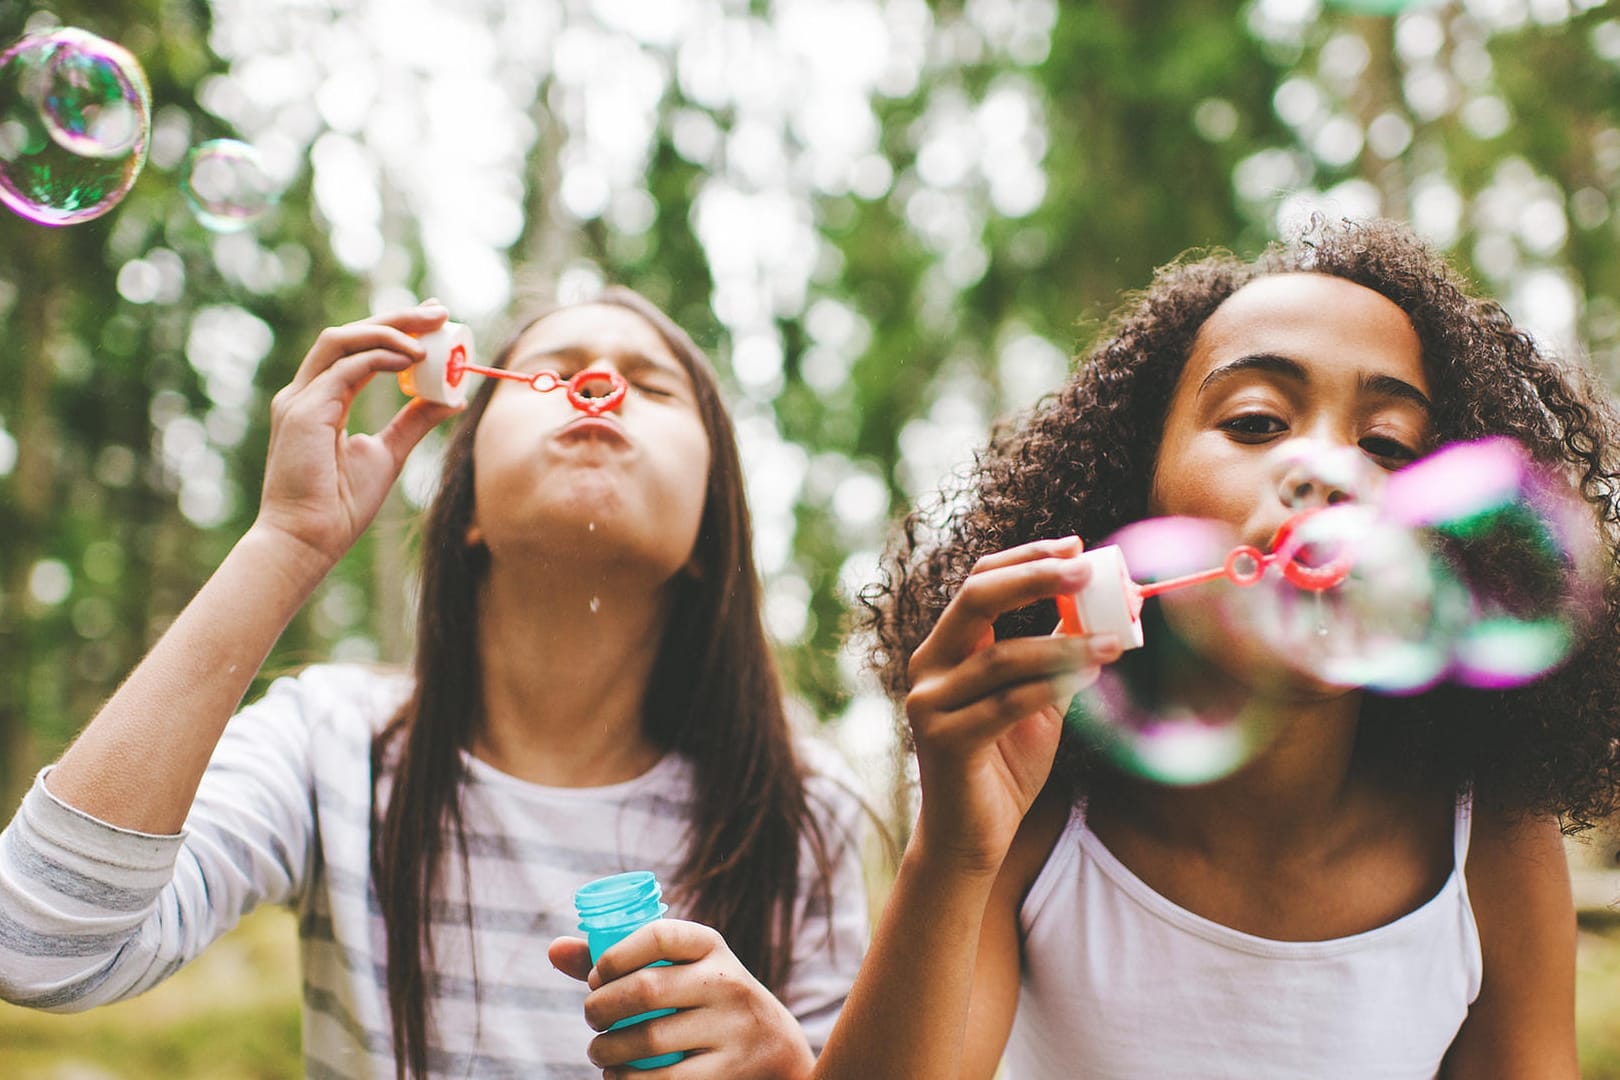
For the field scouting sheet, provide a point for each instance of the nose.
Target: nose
(1312, 474)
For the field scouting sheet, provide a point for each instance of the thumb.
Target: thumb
(571, 956)
(410, 424)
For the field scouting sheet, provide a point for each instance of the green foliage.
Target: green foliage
(1145, 123)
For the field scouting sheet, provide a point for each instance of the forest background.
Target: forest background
(890, 222)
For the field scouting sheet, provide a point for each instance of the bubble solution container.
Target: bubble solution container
(610, 910)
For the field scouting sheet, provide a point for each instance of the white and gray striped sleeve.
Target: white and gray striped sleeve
(91, 913)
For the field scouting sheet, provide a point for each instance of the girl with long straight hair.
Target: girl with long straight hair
(592, 692)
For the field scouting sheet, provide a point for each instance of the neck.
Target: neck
(566, 658)
(1285, 799)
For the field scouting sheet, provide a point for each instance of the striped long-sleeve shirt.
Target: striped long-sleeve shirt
(90, 913)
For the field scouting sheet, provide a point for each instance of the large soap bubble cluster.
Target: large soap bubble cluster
(75, 121)
(1475, 565)
(1522, 546)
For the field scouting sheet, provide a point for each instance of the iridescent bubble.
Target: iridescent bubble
(1521, 541)
(226, 185)
(1172, 710)
(91, 102)
(1389, 624)
(75, 121)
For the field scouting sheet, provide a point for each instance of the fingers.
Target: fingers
(735, 1045)
(966, 686)
(999, 583)
(571, 956)
(679, 1032)
(391, 333)
(1017, 662)
(669, 986)
(671, 940)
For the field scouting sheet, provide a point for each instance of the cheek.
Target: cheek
(1203, 478)
(1172, 496)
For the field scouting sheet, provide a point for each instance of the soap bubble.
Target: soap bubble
(1475, 564)
(1389, 623)
(75, 121)
(1172, 710)
(226, 185)
(91, 103)
(1522, 542)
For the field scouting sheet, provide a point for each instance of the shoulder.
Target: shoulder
(355, 698)
(1513, 855)
(1516, 869)
(322, 715)
(1523, 1022)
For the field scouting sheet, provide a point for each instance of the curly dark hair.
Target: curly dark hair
(1081, 462)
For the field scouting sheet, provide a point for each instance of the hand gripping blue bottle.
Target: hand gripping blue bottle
(610, 910)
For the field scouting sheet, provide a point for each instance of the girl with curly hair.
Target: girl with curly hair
(1381, 891)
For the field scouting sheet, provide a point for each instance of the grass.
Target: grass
(233, 1015)
(1597, 996)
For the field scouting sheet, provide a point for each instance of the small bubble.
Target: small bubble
(596, 604)
(226, 185)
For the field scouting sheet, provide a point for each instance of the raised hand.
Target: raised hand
(728, 1024)
(322, 484)
(985, 715)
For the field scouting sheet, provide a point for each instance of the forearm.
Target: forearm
(907, 1013)
(138, 763)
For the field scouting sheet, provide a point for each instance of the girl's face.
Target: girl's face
(629, 483)
(1287, 358)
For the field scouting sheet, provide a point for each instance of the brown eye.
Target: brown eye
(1254, 425)
(1388, 452)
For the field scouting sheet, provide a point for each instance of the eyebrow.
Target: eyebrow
(1382, 385)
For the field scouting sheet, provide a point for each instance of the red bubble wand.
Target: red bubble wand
(594, 391)
(1112, 602)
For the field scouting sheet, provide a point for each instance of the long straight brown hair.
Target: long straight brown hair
(713, 695)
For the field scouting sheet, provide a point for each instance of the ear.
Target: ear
(474, 536)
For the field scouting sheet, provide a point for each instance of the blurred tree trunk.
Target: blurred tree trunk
(25, 516)
(547, 243)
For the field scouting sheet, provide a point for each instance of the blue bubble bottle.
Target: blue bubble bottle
(610, 910)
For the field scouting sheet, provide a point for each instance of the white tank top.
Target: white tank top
(1121, 984)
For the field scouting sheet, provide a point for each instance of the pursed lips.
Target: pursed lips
(592, 427)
